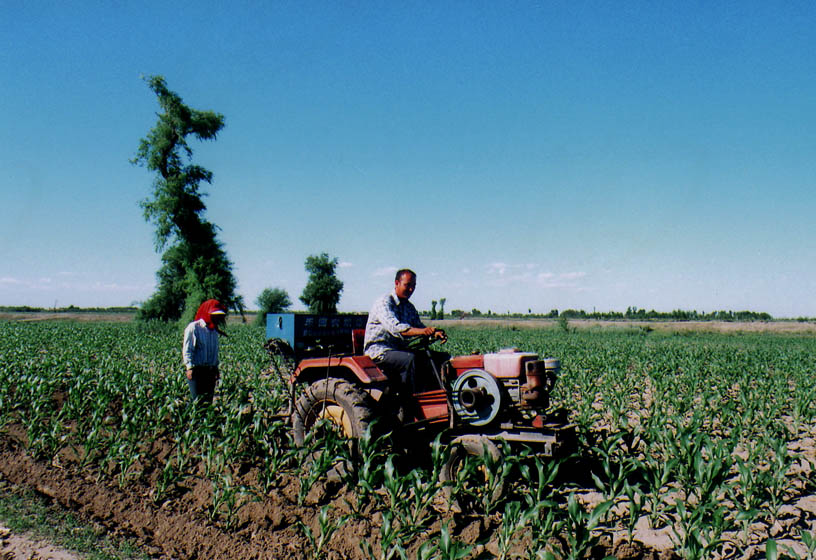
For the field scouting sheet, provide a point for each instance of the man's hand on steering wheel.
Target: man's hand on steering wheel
(440, 335)
(426, 336)
(434, 334)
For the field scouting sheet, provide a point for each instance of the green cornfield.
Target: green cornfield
(703, 442)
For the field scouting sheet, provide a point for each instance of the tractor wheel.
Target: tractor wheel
(468, 492)
(347, 409)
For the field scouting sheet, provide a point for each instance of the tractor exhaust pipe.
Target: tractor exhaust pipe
(541, 375)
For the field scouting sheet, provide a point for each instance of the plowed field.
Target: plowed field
(691, 445)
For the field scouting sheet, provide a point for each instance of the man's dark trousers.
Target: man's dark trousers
(404, 363)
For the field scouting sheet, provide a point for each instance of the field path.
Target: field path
(21, 547)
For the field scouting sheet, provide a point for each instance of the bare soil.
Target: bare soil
(270, 527)
(180, 528)
(89, 317)
(177, 528)
(38, 316)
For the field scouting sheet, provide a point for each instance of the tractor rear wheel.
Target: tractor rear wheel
(347, 409)
(470, 491)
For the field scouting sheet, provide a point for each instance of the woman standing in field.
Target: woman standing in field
(200, 350)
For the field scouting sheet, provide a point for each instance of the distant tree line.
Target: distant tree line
(276, 300)
(631, 314)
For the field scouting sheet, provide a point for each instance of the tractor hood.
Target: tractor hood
(508, 362)
(505, 363)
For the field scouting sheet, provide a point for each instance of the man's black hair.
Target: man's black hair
(402, 271)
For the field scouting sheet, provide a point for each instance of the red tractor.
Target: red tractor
(476, 399)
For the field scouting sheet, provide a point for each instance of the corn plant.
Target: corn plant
(658, 473)
(411, 495)
(392, 541)
(514, 520)
(545, 524)
(321, 451)
(698, 529)
(167, 478)
(370, 463)
(327, 527)
(772, 552)
(277, 452)
(448, 548)
(537, 477)
(617, 466)
(579, 526)
(422, 491)
(635, 502)
(120, 459)
(804, 404)
(808, 538)
(779, 463)
(227, 499)
(395, 485)
(481, 479)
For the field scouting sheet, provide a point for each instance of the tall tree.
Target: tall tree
(194, 266)
(272, 300)
(322, 291)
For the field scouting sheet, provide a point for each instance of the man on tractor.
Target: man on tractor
(392, 323)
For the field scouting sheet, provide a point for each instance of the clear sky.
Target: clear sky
(517, 155)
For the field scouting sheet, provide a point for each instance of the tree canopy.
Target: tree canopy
(272, 300)
(195, 266)
(322, 291)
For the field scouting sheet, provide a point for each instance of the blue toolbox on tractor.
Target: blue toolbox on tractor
(315, 334)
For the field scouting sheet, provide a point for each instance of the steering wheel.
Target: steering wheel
(421, 342)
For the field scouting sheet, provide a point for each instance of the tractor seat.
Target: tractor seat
(357, 341)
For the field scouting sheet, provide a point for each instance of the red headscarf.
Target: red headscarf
(207, 309)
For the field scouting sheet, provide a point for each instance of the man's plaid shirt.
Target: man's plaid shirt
(388, 318)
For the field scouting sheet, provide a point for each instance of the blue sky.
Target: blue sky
(517, 155)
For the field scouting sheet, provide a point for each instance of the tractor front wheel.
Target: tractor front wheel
(469, 487)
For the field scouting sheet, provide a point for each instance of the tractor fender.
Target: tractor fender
(360, 367)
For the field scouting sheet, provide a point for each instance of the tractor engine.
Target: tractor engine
(486, 386)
